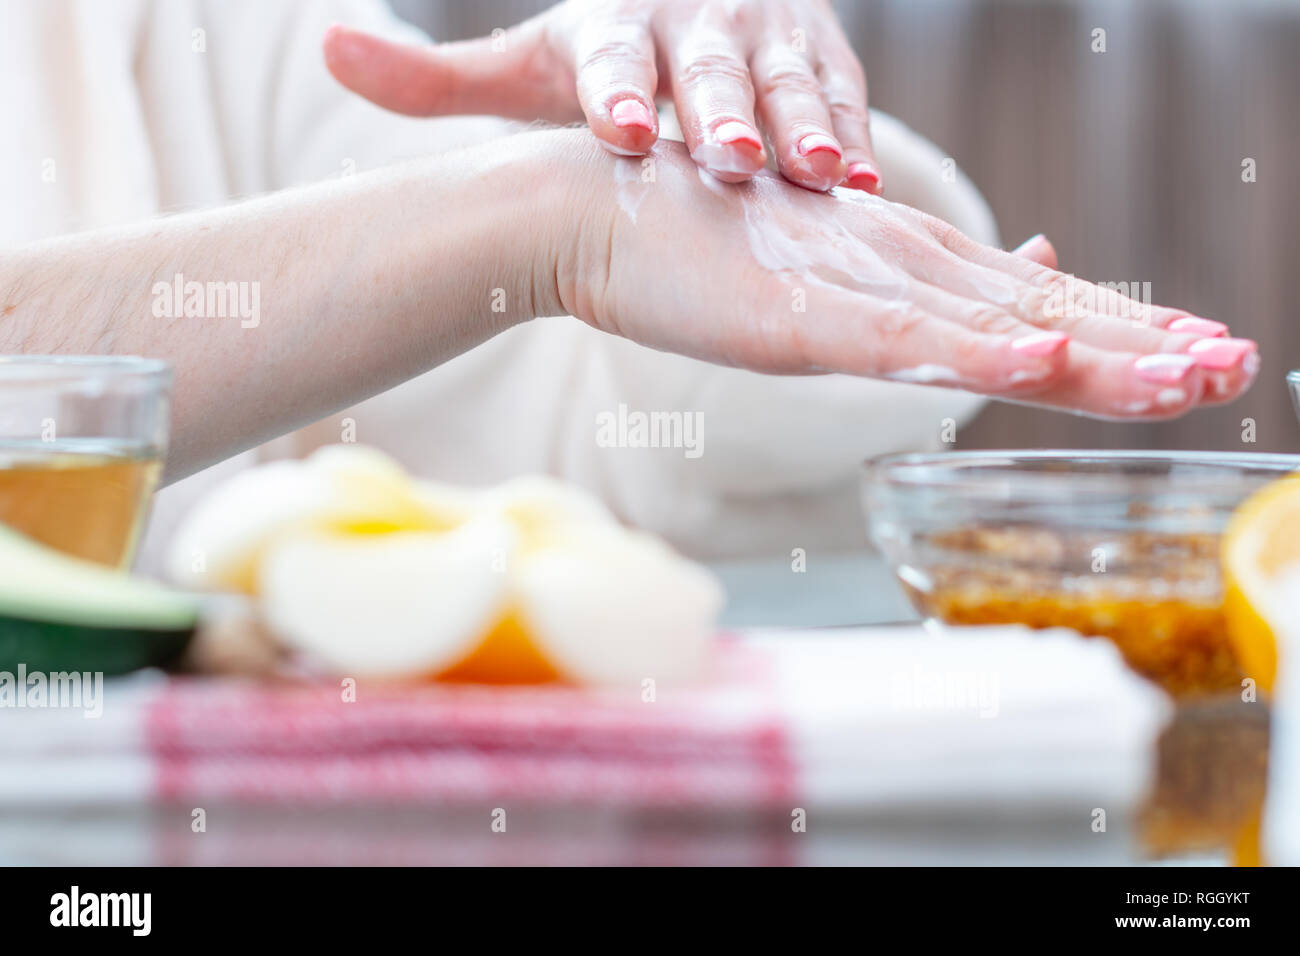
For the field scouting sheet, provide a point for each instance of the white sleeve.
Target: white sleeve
(286, 120)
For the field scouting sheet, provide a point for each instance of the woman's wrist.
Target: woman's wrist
(566, 178)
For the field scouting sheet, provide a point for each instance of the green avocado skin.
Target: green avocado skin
(50, 647)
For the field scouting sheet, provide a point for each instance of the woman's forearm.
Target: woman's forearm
(277, 311)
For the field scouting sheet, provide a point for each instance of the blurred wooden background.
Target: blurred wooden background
(1129, 159)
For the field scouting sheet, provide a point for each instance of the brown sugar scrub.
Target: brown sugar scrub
(1157, 602)
(1122, 545)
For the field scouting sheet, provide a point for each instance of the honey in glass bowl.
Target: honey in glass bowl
(1119, 545)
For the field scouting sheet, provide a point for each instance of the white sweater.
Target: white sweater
(119, 110)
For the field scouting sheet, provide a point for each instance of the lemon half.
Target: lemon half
(1260, 548)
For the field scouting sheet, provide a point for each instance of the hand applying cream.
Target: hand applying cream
(801, 283)
(737, 71)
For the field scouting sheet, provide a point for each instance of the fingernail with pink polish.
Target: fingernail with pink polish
(1250, 364)
(818, 143)
(734, 131)
(1040, 344)
(634, 113)
(1164, 368)
(1220, 354)
(1191, 325)
(862, 176)
(1030, 245)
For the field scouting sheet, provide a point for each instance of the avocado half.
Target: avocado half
(60, 613)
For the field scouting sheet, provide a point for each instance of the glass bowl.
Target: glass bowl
(1119, 544)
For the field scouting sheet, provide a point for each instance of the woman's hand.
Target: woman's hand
(733, 68)
(777, 279)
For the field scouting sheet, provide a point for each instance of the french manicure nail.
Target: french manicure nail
(1164, 368)
(1194, 326)
(632, 113)
(1030, 244)
(862, 176)
(1169, 397)
(818, 143)
(1040, 344)
(1219, 354)
(734, 131)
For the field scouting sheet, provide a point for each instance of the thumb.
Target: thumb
(491, 75)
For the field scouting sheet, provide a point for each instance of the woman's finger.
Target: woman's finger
(844, 86)
(1107, 319)
(1120, 385)
(795, 116)
(1108, 384)
(1100, 316)
(980, 316)
(1037, 249)
(511, 75)
(714, 100)
(1228, 365)
(614, 60)
(1085, 318)
(1093, 316)
(1054, 295)
(903, 342)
